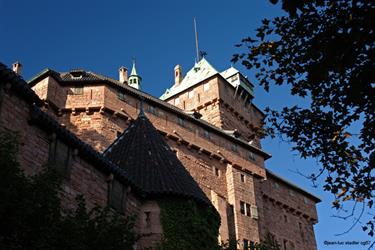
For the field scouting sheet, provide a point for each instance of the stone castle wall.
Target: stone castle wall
(230, 173)
(82, 177)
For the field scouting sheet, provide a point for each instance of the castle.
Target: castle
(207, 118)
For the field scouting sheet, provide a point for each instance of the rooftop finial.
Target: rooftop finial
(196, 41)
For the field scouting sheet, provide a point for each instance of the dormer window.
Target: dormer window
(77, 74)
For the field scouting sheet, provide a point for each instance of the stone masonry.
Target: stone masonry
(212, 134)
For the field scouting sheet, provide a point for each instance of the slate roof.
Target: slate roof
(151, 164)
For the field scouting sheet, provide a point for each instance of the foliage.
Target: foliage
(269, 243)
(324, 51)
(31, 216)
(188, 225)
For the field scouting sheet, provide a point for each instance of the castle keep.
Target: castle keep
(207, 119)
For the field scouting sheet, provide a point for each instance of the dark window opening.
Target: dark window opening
(242, 178)
(121, 96)
(60, 157)
(242, 207)
(217, 172)
(148, 219)
(152, 110)
(117, 196)
(234, 148)
(181, 122)
(245, 244)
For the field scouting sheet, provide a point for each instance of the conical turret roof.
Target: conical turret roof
(151, 164)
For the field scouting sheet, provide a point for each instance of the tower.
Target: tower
(134, 79)
(224, 99)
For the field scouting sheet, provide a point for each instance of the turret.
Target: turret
(134, 79)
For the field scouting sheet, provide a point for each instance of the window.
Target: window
(135, 80)
(181, 122)
(242, 207)
(285, 243)
(305, 200)
(234, 148)
(152, 110)
(247, 206)
(191, 94)
(276, 185)
(242, 176)
(77, 90)
(60, 157)
(291, 193)
(121, 96)
(206, 134)
(116, 195)
(245, 244)
(148, 219)
(206, 86)
(251, 156)
(252, 245)
(217, 172)
(177, 101)
(285, 218)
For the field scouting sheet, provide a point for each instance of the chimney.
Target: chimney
(123, 74)
(17, 67)
(177, 75)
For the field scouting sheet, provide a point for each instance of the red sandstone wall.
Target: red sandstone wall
(34, 151)
(203, 157)
(287, 214)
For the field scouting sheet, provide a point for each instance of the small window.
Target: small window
(276, 185)
(251, 156)
(181, 122)
(191, 94)
(60, 157)
(245, 244)
(242, 176)
(234, 148)
(152, 110)
(177, 101)
(77, 90)
(285, 242)
(285, 218)
(135, 80)
(148, 219)
(217, 172)
(206, 86)
(242, 207)
(247, 209)
(121, 96)
(206, 134)
(116, 195)
(291, 193)
(305, 200)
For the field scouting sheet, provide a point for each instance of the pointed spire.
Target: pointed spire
(134, 78)
(134, 70)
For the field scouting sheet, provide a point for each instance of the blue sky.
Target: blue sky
(103, 35)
